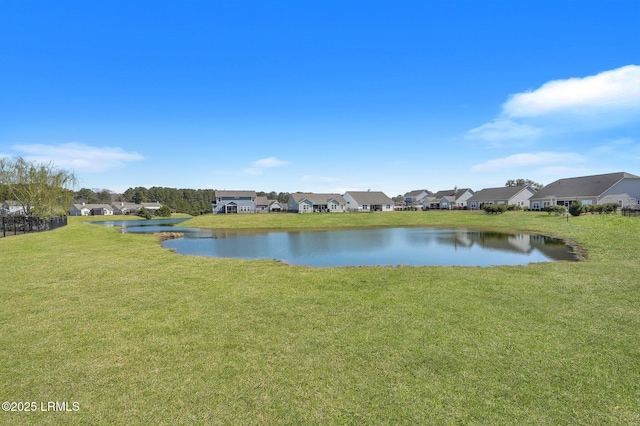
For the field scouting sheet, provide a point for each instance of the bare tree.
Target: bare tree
(40, 188)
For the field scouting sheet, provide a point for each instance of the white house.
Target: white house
(510, 195)
(83, 209)
(12, 208)
(308, 202)
(448, 199)
(368, 201)
(622, 188)
(234, 202)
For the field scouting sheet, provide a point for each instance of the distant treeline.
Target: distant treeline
(191, 201)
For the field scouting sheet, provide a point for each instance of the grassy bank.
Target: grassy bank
(136, 334)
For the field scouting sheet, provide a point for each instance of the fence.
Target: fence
(627, 211)
(14, 225)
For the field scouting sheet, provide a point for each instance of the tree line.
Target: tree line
(191, 201)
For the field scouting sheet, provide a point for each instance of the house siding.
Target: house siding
(626, 191)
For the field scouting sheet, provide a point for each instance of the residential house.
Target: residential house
(262, 204)
(275, 206)
(234, 202)
(308, 202)
(152, 207)
(518, 195)
(448, 199)
(368, 201)
(12, 208)
(622, 188)
(416, 196)
(83, 209)
(123, 207)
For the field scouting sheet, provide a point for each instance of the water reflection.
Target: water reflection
(360, 247)
(383, 246)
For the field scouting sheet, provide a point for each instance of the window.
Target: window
(586, 202)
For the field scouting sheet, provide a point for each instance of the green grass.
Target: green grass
(139, 335)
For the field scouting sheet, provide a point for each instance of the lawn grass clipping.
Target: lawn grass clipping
(137, 334)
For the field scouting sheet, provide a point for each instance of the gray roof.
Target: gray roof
(500, 193)
(262, 201)
(317, 198)
(93, 206)
(370, 197)
(444, 193)
(584, 186)
(154, 205)
(416, 192)
(234, 194)
(456, 193)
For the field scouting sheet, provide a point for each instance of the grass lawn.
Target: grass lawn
(135, 334)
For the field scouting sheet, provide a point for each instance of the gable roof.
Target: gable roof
(500, 193)
(235, 194)
(262, 201)
(416, 192)
(370, 197)
(444, 193)
(583, 186)
(456, 193)
(316, 198)
(81, 206)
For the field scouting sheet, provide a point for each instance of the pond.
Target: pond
(413, 246)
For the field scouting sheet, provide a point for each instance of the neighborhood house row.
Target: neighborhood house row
(621, 188)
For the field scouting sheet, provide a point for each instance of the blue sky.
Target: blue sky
(322, 96)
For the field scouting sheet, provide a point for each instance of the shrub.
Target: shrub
(576, 208)
(164, 211)
(558, 210)
(143, 212)
(495, 208)
(611, 207)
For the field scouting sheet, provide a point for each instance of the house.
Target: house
(416, 196)
(510, 195)
(83, 209)
(152, 207)
(262, 204)
(308, 202)
(368, 201)
(622, 188)
(123, 207)
(448, 199)
(275, 206)
(12, 208)
(234, 202)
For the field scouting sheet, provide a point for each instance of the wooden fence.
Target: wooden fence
(627, 211)
(15, 225)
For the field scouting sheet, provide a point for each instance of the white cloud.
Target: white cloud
(609, 90)
(318, 179)
(78, 156)
(529, 159)
(501, 129)
(259, 166)
(269, 162)
(605, 100)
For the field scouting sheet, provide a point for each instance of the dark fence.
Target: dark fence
(627, 211)
(14, 225)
